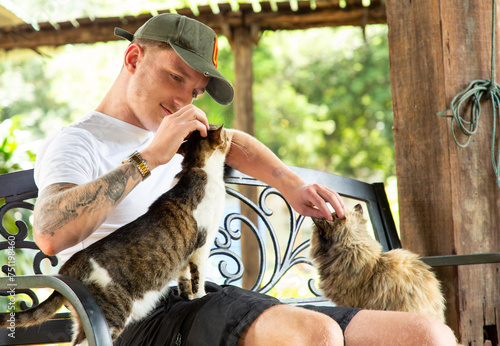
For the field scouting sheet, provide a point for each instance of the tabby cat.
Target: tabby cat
(130, 270)
(355, 272)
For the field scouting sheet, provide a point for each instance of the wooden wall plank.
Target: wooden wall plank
(448, 198)
(467, 52)
(422, 158)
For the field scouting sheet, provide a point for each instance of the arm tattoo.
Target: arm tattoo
(88, 198)
(51, 209)
(278, 172)
(117, 180)
(116, 185)
(105, 192)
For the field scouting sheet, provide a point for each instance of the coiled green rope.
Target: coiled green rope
(474, 92)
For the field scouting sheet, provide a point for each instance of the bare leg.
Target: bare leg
(290, 325)
(373, 328)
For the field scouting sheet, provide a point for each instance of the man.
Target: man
(93, 177)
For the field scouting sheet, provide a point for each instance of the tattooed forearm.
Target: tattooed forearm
(54, 216)
(59, 209)
(60, 204)
(118, 179)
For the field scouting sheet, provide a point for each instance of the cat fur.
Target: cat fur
(355, 272)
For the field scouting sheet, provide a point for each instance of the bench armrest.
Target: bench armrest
(92, 318)
(455, 260)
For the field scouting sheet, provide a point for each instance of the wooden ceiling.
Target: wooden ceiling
(271, 16)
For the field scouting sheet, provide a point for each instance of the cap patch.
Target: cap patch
(215, 57)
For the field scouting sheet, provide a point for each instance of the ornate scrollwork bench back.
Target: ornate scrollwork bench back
(292, 250)
(282, 237)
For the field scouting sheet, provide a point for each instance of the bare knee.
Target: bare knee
(434, 332)
(388, 327)
(289, 325)
(325, 331)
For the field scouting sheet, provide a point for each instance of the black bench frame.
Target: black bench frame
(18, 190)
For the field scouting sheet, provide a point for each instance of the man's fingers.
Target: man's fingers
(193, 118)
(327, 195)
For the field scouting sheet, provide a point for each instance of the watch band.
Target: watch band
(140, 163)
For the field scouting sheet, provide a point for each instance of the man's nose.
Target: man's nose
(183, 98)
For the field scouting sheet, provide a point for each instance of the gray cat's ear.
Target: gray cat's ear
(358, 209)
(320, 222)
(213, 127)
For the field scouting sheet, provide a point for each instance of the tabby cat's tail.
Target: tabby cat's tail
(33, 316)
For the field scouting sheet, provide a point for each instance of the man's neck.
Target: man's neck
(114, 102)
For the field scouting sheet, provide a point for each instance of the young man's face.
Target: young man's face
(161, 84)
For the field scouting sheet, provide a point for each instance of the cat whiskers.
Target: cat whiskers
(241, 148)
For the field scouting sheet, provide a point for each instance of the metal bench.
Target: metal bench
(281, 249)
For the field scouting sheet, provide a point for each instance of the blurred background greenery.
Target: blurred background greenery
(322, 97)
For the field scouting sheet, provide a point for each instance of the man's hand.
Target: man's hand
(312, 199)
(173, 130)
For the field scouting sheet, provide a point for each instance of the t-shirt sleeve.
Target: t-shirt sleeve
(67, 157)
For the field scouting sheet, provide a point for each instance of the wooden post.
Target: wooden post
(448, 199)
(242, 44)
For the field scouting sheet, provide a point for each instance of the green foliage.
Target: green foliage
(28, 102)
(323, 100)
(10, 158)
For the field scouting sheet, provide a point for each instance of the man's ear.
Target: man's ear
(132, 55)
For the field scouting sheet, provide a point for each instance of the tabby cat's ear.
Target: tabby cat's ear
(218, 129)
(183, 148)
(216, 133)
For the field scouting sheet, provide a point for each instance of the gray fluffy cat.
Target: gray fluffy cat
(355, 272)
(129, 271)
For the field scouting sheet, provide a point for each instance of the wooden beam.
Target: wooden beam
(85, 30)
(448, 198)
(242, 42)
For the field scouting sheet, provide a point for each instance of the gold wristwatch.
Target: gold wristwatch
(140, 163)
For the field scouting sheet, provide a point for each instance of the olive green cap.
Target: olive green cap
(194, 42)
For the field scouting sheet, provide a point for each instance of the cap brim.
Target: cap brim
(218, 87)
(123, 33)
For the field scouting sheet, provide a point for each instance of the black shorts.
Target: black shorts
(219, 318)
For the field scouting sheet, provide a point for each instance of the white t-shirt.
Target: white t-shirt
(86, 150)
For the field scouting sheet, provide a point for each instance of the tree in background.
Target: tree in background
(27, 110)
(323, 100)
